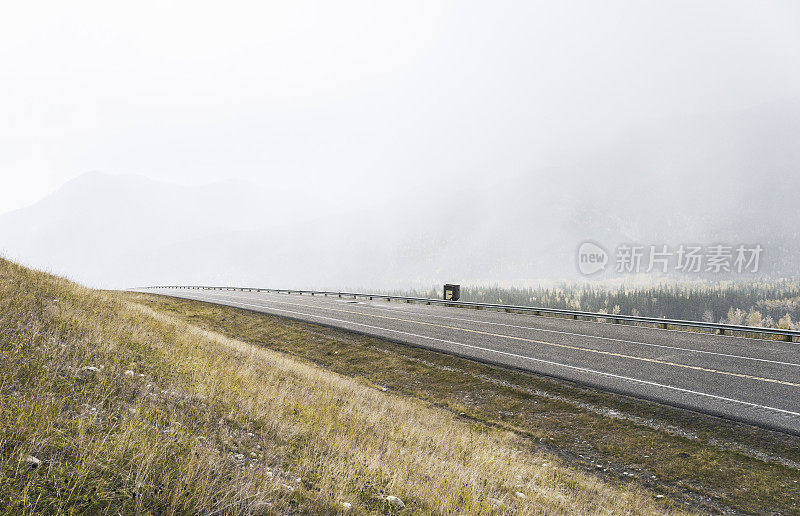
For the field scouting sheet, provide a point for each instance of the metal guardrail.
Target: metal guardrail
(718, 328)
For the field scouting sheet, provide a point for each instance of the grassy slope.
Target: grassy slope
(699, 461)
(207, 423)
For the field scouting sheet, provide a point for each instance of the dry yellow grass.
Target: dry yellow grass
(208, 424)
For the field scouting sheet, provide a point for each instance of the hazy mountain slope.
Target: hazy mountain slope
(720, 178)
(96, 216)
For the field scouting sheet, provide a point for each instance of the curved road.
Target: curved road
(751, 380)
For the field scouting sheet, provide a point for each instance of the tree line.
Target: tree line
(774, 304)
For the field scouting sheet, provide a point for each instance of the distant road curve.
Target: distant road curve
(745, 379)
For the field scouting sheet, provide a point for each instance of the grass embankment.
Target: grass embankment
(700, 462)
(108, 406)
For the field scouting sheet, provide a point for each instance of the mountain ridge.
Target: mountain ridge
(726, 178)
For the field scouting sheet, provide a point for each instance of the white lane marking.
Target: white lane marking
(662, 346)
(649, 328)
(515, 355)
(526, 339)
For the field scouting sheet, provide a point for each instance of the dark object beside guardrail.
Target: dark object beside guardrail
(452, 292)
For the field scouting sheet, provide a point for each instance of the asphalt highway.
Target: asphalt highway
(751, 380)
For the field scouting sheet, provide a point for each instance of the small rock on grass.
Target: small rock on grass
(129, 373)
(395, 502)
(347, 506)
(32, 461)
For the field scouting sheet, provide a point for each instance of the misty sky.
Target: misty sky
(360, 100)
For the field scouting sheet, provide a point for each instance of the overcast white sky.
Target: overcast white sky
(358, 99)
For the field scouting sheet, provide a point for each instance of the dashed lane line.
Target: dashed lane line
(553, 344)
(523, 357)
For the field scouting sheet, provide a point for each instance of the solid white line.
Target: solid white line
(489, 350)
(506, 336)
(662, 346)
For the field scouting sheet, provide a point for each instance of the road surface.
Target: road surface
(751, 380)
